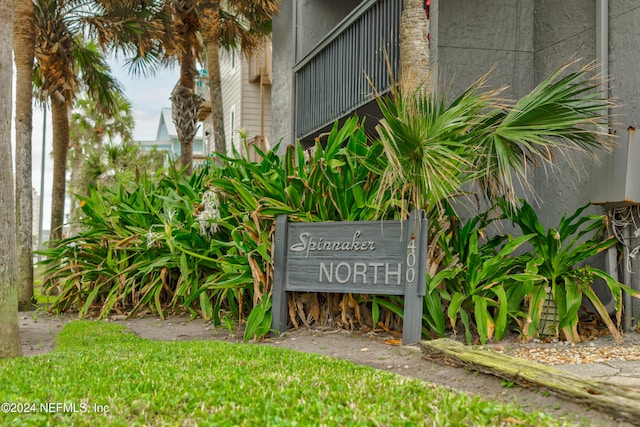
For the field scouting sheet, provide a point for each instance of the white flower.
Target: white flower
(152, 236)
(170, 213)
(210, 213)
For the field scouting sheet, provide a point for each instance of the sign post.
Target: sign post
(364, 257)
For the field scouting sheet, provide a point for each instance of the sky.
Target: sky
(147, 97)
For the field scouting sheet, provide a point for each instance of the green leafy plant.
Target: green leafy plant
(141, 248)
(479, 287)
(561, 252)
(479, 145)
(204, 243)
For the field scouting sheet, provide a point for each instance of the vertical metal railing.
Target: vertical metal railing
(332, 80)
(202, 86)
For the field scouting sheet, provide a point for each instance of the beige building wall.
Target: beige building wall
(246, 100)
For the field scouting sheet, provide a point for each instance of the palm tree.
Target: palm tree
(185, 103)
(89, 130)
(482, 145)
(436, 150)
(228, 24)
(217, 23)
(9, 332)
(414, 48)
(66, 63)
(121, 163)
(24, 43)
(243, 23)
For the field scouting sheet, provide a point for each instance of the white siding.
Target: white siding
(251, 105)
(230, 80)
(244, 96)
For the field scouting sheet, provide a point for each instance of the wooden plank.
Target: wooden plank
(279, 297)
(362, 257)
(365, 257)
(415, 244)
(621, 402)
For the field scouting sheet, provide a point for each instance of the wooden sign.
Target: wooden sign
(365, 257)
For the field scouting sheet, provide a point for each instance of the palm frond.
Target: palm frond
(434, 149)
(96, 76)
(428, 143)
(565, 112)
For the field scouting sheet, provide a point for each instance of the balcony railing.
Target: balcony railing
(202, 89)
(332, 81)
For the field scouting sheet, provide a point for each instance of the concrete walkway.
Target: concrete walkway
(623, 373)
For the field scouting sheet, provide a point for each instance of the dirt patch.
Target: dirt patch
(38, 333)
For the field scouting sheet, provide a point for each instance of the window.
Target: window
(233, 59)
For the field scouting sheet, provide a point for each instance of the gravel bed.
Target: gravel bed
(597, 350)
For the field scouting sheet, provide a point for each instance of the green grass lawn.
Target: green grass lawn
(110, 377)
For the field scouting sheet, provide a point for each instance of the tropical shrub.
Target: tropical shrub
(478, 146)
(140, 246)
(437, 150)
(203, 243)
(480, 286)
(328, 183)
(561, 253)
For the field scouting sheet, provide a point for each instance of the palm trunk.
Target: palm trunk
(185, 106)
(9, 331)
(60, 121)
(77, 187)
(215, 91)
(185, 102)
(24, 43)
(414, 47)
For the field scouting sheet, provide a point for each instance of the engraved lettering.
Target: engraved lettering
(307, 243)
(346, 278)
(375, 266)
(388, 273)
(327, 274)
(360, 270)
(298, 247)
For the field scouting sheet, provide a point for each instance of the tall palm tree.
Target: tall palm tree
(9, 332)
(89, 130)
(185, 102)
(217, 23)
(66, 63)
(24, 43)
(242, 23)
(414, 48)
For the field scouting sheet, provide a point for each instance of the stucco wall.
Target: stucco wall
(282, 75)
(314, 19)
(563, 31)
(474, 37)
(566, 30)
(624, 61)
